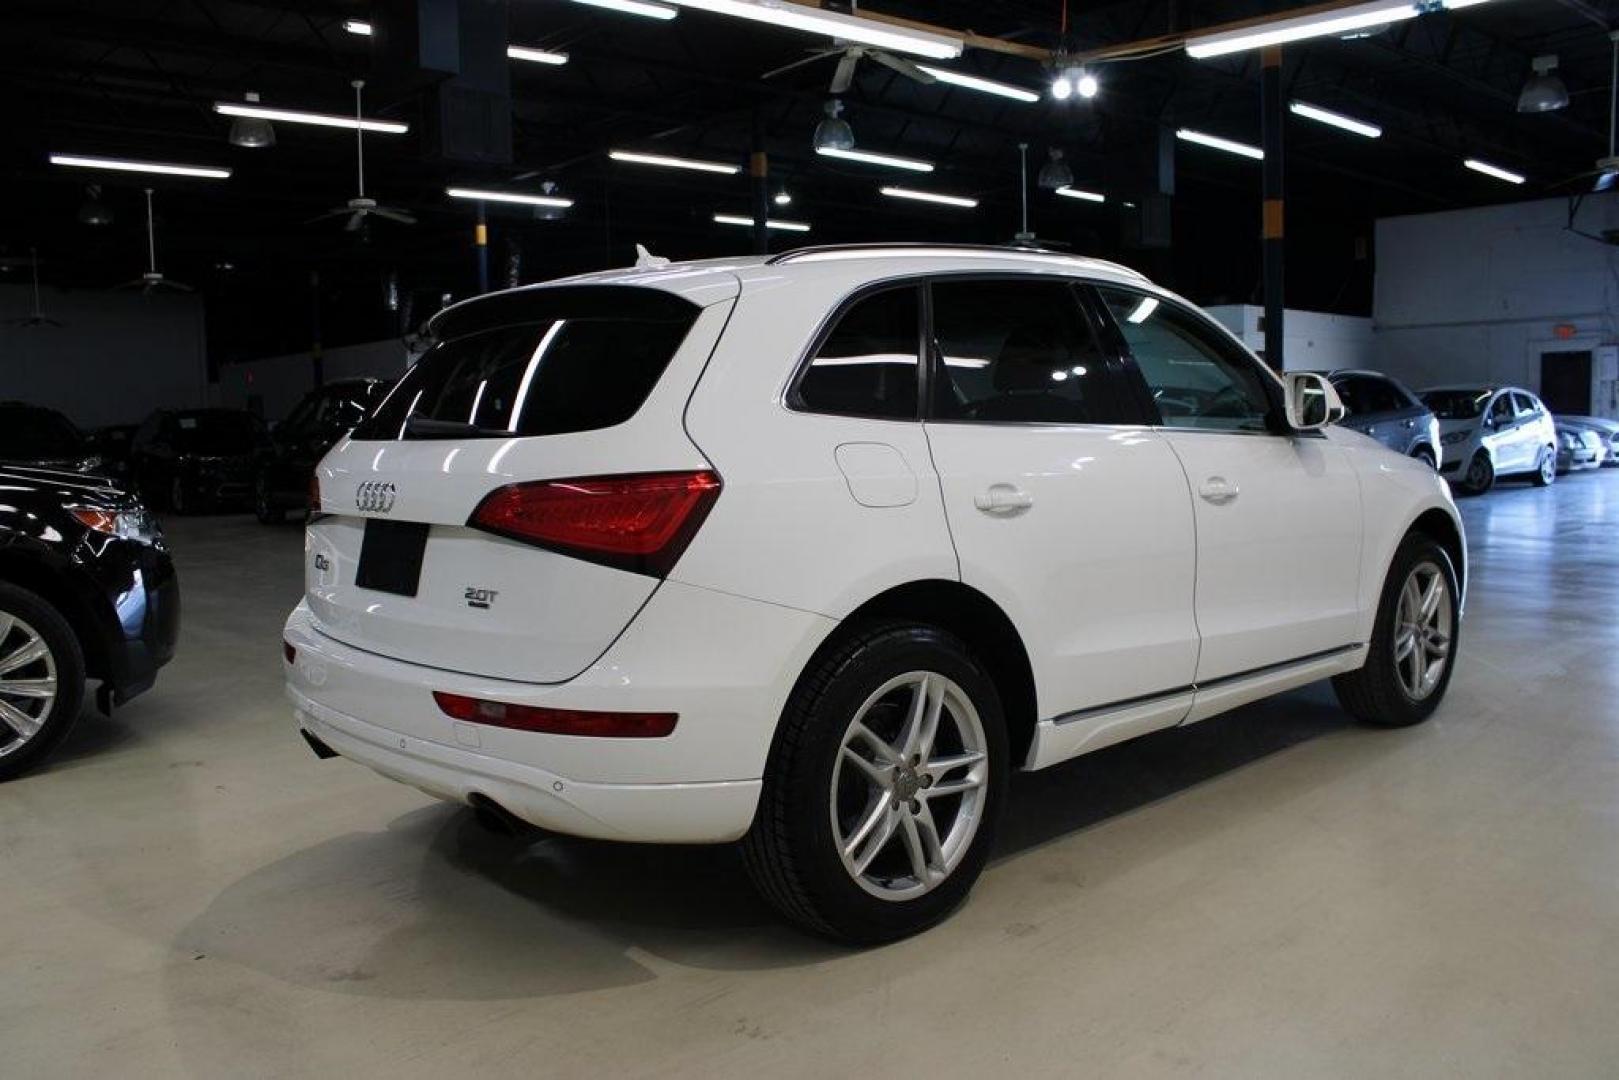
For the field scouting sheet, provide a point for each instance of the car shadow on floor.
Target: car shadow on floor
(437, 906)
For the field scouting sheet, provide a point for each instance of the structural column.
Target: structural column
(1272, 111)
(759, 177)
(480, 241)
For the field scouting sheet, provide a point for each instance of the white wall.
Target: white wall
(1475, 295)
(1311, 340)
(280, 381)
(115, 358)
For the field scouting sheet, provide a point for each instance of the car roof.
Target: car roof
(706, 281)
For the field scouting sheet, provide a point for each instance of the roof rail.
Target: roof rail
(977, 249)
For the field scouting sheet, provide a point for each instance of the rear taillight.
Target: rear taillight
(314, 493)
(619, 725)
(641, 522)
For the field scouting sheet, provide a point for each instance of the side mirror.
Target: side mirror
(1312, 403)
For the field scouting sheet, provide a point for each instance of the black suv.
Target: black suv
(87, 591)
(35, 435)
(1383, 408)
(193, 459)
(323, 416)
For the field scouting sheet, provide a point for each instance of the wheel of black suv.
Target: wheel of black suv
(1480, 476)
(883, 787)
(41, 679)
(264, 507)
(1413, 647)
(1546, 468)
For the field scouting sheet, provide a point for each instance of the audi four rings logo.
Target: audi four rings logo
(375, 496)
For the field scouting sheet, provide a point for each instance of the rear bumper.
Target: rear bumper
(723, 663)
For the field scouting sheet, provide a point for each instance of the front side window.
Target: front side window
(1352, 391)
(1456, 404)
(870, 363)
(1525, 404)
(1015, 352)
(1501, 410)
(1382, 396)
(1196, 379)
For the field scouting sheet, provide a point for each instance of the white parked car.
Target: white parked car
(1490, 432)
(812, 551)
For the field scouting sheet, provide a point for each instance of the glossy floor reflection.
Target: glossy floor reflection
(188, 892)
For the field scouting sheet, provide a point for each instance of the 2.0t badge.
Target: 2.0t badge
(375, 497)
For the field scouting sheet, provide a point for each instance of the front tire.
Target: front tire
(1413, 648)
(41, 679)
(1480, 475)
(884, 787)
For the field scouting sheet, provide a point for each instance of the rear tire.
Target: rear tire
(856, 838)
(31, 726)
(1480, 475)
(1546, 468)
(1398, 686)
(264, 507)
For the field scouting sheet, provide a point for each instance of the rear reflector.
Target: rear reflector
(619, 725)
(640, 522)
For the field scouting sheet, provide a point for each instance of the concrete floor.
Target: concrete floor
(188, 892)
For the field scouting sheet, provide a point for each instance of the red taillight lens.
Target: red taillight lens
(289, 652)
(641, 522)
(314, 493)
(617, 725)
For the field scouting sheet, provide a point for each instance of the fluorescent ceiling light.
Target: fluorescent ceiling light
(1079, 193)
(770, 223)
(295, 116)
(892, 161)
(1493, 170)
(1298, 28)
(974, 82)
(508, 197)
(1337, 120)
(674, 162)
(536, 56)
(834, 24)
(634, 7)
(1228, 145)
(1143, 311)
(81, 161)
(357, 26)
(929, 196)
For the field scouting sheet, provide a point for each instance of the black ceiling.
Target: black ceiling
(138, 78)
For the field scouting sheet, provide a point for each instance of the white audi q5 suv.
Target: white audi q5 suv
(812, 551)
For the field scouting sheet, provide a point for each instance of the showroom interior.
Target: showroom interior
(240, 221)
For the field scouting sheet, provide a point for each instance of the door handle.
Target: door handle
(1003, 499)
(1218, 490)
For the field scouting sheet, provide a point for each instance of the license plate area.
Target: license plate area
(391, 556)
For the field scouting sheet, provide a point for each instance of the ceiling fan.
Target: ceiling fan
(153, 280)
(850, 56)
(360, 207)
(37, 317)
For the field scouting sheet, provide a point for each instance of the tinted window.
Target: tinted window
(868, 364)
(1382, 396)
(1525, 404)
(1016, 351)
(33, 434)
(215, 432)
(578, 368)
(1352, 392)
(1196, 378)
(1501, 409)
(1456, 404)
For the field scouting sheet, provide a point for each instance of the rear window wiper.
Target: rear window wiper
(425, 428)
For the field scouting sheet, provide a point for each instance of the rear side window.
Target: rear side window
(1016, 352)
(575, 362)
(870, 363)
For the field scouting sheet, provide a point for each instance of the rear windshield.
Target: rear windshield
(216, 432)
(30, 434)
(579, 360)
(1456, 404)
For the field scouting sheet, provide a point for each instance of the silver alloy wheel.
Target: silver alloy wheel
(27, 683)
(909, 786)
(1548, 466)
(1422, 631)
